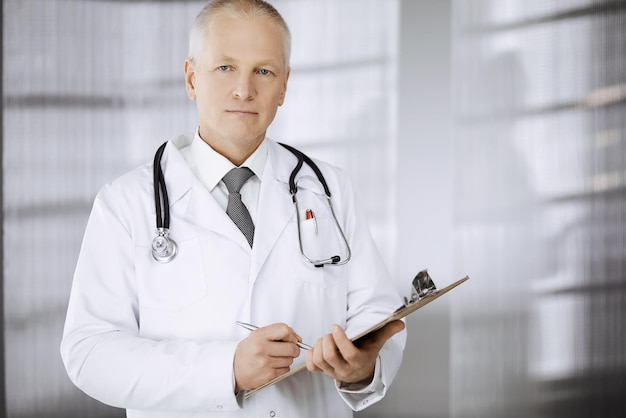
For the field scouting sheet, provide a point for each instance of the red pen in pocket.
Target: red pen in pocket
(310, 215)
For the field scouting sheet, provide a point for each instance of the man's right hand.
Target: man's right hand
(266, 354)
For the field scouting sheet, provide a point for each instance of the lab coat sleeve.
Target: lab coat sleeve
(372, 296)
(358, 400)
(101, 347)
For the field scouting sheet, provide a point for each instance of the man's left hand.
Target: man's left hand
(336, 356)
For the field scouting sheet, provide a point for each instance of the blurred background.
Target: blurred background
(485, 138)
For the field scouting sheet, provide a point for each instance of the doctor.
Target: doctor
(160, 339)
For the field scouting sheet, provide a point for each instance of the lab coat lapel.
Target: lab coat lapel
(275, 208)
(204, 210)
(189, 198)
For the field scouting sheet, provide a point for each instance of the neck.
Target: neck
(235, 151)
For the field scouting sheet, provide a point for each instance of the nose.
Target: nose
(244, 89)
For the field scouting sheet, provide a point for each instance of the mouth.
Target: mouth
(242, 112)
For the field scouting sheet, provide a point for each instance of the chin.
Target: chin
(247, 140)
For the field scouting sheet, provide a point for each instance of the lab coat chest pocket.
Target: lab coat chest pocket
(314, 236)
(320, 238)
(171, 286)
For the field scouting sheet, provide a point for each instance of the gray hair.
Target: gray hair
(237, 8)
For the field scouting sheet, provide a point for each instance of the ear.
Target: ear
(190, 79)
(284, 91)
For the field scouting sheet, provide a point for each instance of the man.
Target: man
(161, 339)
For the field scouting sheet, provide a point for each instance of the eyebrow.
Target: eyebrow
(259, 64)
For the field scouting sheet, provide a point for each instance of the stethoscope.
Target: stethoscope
(164, 248)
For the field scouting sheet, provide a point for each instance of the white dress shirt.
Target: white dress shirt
(210, 167)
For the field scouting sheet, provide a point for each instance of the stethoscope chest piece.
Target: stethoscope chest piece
(164, 249)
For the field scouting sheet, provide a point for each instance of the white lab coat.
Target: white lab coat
(159, 339)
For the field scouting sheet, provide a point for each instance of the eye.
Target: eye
(224, 67)
(264, 71)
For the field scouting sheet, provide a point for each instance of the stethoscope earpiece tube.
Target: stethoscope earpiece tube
(157, 175)
(302, 157)
(164, 249)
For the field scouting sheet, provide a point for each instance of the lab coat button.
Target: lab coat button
(272, 414)
(365, 402)
(218, 406)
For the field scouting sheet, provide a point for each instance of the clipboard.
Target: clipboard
(423, 291)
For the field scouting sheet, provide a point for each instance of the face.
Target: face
(238, 81)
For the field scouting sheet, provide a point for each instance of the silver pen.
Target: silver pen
(251, 327)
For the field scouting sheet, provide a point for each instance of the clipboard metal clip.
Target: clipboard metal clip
(421, 287)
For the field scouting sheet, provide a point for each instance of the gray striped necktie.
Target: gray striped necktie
(237, 211)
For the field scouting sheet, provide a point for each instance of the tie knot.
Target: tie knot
(236, 177)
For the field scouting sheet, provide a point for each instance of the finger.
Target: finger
(332, 355)
(330, 358)
(266, 360)
(279, 362)
(318, 357)
(389, 331)
(296, 335)
(283, 349)
(344, 344)
(279, 332)
(310, 362)
(378, 338)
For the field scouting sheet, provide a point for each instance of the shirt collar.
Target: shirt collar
(211, 166)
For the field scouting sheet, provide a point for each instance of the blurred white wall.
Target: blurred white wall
(424, 206)
(539, 93)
